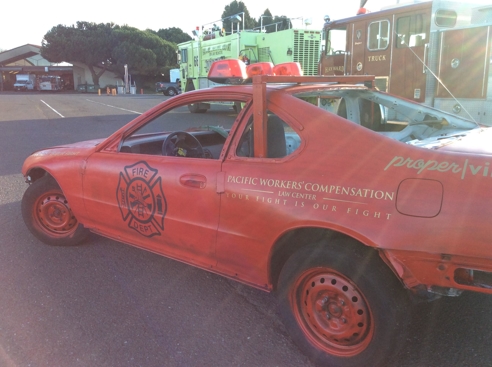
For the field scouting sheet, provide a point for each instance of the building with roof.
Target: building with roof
(27, 59)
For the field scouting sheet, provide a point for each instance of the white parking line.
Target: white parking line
(118, 108)
(53, 109)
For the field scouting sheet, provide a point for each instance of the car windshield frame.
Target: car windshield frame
(401, 105)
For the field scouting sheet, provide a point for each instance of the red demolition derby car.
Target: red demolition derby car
(344, 200)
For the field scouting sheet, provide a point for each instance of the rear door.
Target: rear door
(253, 206)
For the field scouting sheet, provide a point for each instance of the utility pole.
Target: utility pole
(127, 87)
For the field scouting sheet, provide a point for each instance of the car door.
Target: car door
(255, 204)
(168, 204)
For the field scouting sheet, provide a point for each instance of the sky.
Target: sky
(20, 27)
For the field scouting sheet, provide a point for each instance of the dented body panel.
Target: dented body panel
(425, 210)
(342, 199)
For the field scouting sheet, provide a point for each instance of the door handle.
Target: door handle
(193, 180)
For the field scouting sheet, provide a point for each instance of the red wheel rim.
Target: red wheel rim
(332, 312)
(53, 215)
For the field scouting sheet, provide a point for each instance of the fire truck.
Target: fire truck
(289, 45)
(437, 53)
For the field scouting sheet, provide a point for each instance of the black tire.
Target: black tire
(237, 107)
(172, 92)
(342, 305)
(194, 108)
(48, 216)
(164, 92)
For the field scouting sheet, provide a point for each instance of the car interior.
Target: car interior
(203, 135)
(281, 139)
(394, 117)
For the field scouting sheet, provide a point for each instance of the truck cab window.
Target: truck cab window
(335, 42)
(446, 18)
(378, 35)
(412, 31)
(184, 55)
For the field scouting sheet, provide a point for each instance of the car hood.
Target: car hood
(74, 148)
(54, 155)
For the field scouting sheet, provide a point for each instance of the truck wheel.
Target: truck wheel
(48, 216)
(164, 92)
(194, 108)
(237, 107)
(172, 92)
(342, 305)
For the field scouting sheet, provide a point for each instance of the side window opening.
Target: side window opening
(365, 112)
(179, 133)
(342, 109)
(282, 140)
(370, 115)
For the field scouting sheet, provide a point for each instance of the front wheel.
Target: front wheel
(342, 305)
(48, 216)
(196, 108)
(237, 107)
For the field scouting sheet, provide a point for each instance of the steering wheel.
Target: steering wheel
(182, 144)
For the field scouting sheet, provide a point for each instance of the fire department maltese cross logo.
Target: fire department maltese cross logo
(141, 199)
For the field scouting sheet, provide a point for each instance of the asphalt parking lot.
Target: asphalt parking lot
(109, 304)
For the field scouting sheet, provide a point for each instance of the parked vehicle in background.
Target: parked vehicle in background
(50, 82)
(24, 82)
(88, 88)
(436, 52)
(173, 87)
(168, 89)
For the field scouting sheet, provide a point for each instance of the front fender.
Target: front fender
(67, 167)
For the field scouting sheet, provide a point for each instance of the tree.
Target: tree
(85, 42)
(282, 22)
(144, 52)
(174, 35)
(107, 46)
(270, 23)
(234, 8)
(265, 19)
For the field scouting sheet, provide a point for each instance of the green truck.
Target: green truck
(288, 45)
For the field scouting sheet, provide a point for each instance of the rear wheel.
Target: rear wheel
(342, 305)
(172, 92)
(48, 216)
